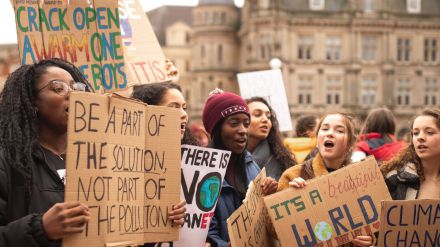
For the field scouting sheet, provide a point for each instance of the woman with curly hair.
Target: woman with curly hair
(264, 141)
(415, 172)
(226, 118)
(34, 107)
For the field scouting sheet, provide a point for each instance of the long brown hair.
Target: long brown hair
(382, 121)
(409, 154)
(281, 153)
(307, 169)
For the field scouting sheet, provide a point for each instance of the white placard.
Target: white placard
(269, 85)
(203, 171)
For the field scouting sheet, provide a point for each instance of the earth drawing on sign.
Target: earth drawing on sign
(323, 231)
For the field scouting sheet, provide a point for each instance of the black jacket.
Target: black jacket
(20, 221)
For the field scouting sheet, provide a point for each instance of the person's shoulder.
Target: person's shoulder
(293, 171)
(288, 175)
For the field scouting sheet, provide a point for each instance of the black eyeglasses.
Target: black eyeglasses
(62, 88)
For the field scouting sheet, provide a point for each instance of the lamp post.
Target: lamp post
(275, 63)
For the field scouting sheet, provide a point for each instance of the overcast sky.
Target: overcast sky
(8, 34)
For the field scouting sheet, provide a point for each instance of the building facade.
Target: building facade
(337, 55)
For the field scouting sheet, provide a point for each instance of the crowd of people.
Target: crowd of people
(33, 141)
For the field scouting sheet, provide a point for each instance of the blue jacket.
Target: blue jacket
(227, 203)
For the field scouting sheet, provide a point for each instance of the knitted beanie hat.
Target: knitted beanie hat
(221, 105)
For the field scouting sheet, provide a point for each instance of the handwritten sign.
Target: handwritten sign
(203, 171)
(111, 42)
(144, 59)
(247, 225)
(269, 85)
(410, 223)
(123, 161)
(331, 210)
(83, 32)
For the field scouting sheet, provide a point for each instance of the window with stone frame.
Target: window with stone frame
(333, 48)
(431, 92)
(305, 47)
(368, 5)
(413, 6)
(265, 47)
(316, 4)
(305, 89)
(220, 53)
(368, 90)
(202, 51)
(403, 91)
(334, 90)
(369, 48)
(403, 49)
(223, 18)
(431, 49)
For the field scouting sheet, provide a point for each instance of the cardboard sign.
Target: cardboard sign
(247, 225)
(269, 85)
(123, 161)
(410, 223)
(111, 42)
(203, 171)
(144, 59)
(83, 32)
(331, 210)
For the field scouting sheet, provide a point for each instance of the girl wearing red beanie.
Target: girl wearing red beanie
(226, 118)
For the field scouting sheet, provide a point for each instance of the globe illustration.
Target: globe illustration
(209, 191)
(323, 231)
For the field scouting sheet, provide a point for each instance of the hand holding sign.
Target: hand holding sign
(269, 186)
(363, 241)
(177, 213)
(64, 219)
(298, 182)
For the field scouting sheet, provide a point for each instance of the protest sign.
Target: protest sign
(203, 171)
(144, 59)
(269, 85)
(88, 34)
(410, 223)
(83, 32)
(247, 225)
(123, 161)
(331, 210)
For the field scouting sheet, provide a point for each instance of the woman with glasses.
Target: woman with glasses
(34, 108)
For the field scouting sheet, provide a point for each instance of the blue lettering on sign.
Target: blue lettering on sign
(309, 240)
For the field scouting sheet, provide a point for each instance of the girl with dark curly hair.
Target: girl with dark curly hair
(415, 172)
(264, 141)
(34, 107)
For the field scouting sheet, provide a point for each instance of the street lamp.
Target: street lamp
(275, 63)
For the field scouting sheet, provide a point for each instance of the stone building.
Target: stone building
(346, 55)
